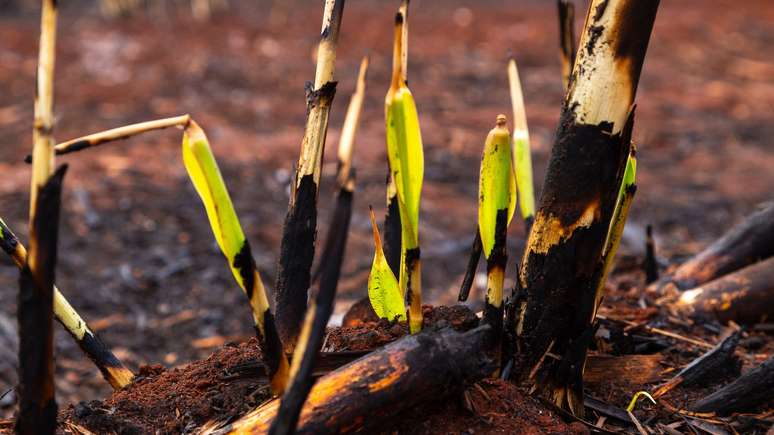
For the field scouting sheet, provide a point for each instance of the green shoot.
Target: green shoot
(406, 156)
(522, 155)
(383, 289)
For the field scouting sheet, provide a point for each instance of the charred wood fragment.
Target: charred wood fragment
(37, 405)
(743, 296)
(747, 242)
(561, 260)
(717, 361)
(746, 393)
(367, 393)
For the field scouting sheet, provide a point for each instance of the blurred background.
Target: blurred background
(137, 257)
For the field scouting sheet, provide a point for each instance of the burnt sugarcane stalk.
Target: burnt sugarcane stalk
(300, 229)
(470, 270)
(112, 369)
(37, 404)
(560, 268)
(320, 308)
(345, 178)
(497, 202)
(650, 265)
(566, 38)
(115, 134)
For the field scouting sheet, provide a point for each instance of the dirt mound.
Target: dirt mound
(491, 406)
(367, 334)
(229, 382)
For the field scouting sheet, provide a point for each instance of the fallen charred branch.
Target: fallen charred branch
(747, 242)
(300, 229)
(370, 391)
(716, 361)
(743, 296)
(747, 392)
(561, 265)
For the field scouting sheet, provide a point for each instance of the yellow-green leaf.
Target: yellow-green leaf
(522, 155)
(621, 210)
(497, 187)
(206, 178)
(404, 149)
(383, 290)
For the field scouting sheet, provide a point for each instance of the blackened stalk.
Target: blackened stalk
(112, 369)
(583, 179)
(470, 271)
(566, 38)
(300, 229)
(37, 405)
(651, 261)
(345, 178)
(320, 308)
(115, 134)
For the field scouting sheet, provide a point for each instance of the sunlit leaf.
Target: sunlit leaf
(497, 187)
(522, 155)
(404, 147)
(383, 290)
(206, 178)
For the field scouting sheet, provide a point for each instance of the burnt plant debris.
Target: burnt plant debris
(300, 229)
(581, 337)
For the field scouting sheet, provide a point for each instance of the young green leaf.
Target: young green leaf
(497, 185)
(206, 178)
(522, 155)
(208, 182)
(618, 221)
(383, 290)
(404, 150)
(404, 146)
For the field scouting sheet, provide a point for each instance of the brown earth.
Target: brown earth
(137, 258)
